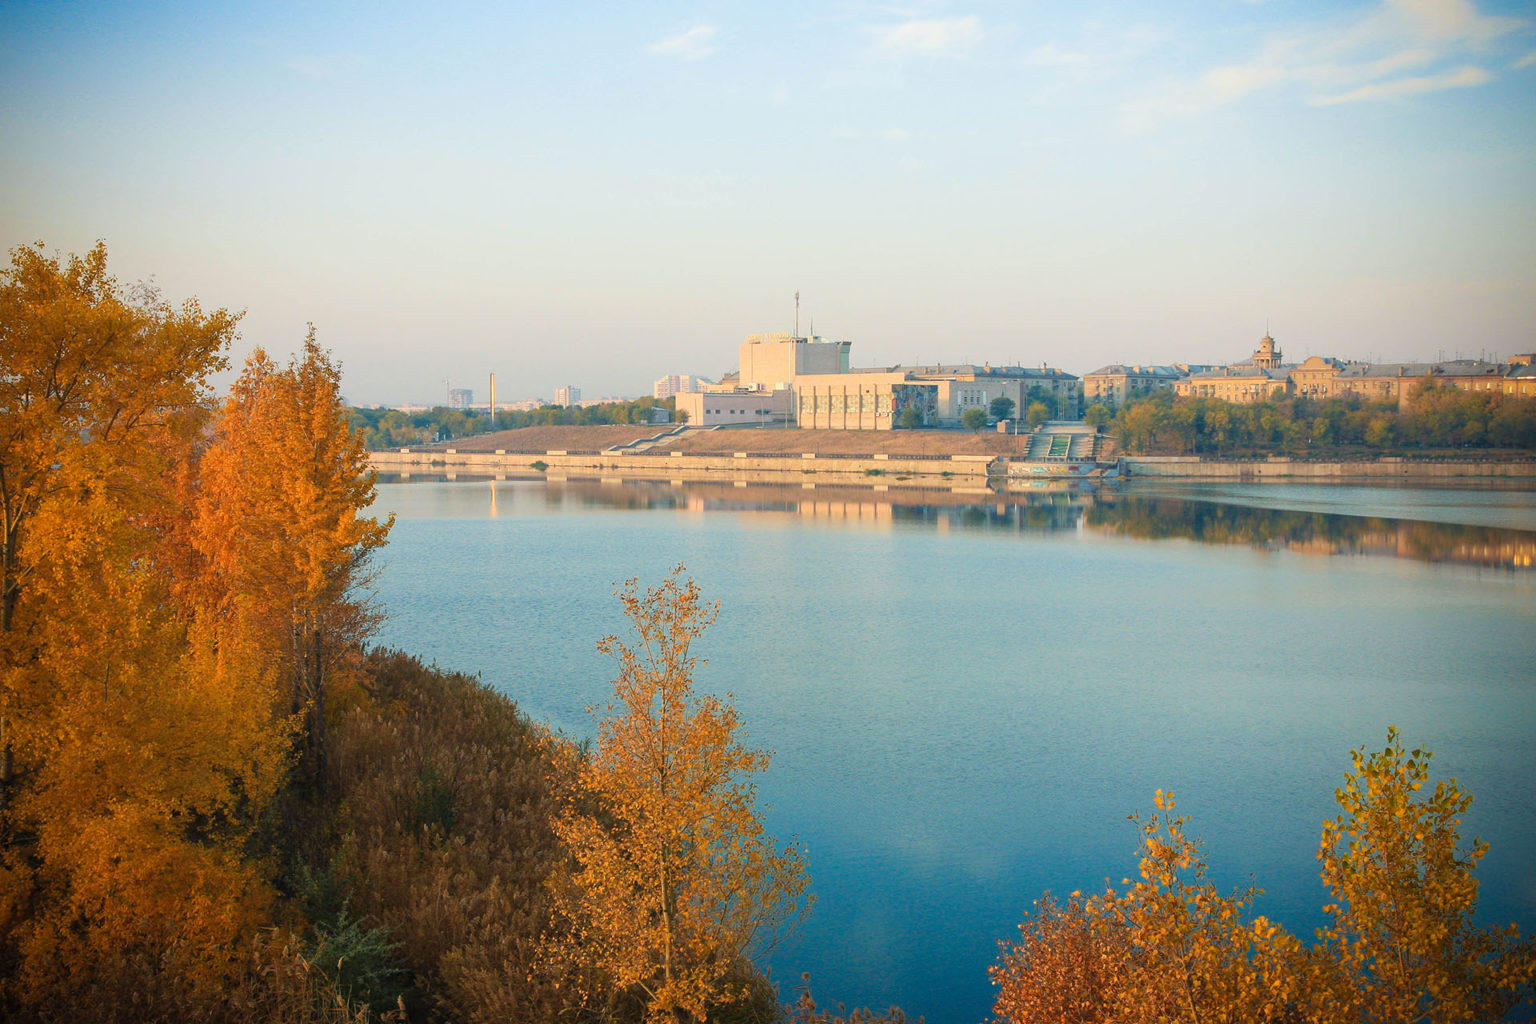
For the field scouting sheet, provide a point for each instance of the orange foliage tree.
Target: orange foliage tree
(1169, 948)
(1065, 967)
(1400, 945)
(674, 883)
(127, 777)
(279, 519)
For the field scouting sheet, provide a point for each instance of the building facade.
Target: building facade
(964, 386)
(1241, 383)
(1113, 384)
(742, 407)
(825, 392)
(1397, 382)
(862, 400)
(1264, 377)
(568, 396)
(1316, 377)
(770, 361)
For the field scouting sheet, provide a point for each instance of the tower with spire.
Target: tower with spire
(1267, 357)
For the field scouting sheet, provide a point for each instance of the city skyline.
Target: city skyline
(603, 196)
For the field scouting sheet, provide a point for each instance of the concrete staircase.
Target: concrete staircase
(646, 442)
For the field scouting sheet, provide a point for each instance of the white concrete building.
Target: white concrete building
(675, 384)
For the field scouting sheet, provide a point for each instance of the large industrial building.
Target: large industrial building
(808, 382)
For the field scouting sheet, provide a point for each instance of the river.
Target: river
(966, 696)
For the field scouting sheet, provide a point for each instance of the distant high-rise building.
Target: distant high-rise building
(568, 396)
(675, 384)
(461, 398)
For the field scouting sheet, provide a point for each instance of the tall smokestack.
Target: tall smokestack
(493, 401)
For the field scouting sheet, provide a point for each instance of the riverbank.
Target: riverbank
(1278, 468)
(935, 458)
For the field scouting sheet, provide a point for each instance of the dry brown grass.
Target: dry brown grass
(273, 984)
(446, 796)
(538, 440)
(853, 442)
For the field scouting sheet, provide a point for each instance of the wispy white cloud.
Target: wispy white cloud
(692, 44)
(1454, 19)
(1366, 58)
(929, 37)
(1524, 62)
(1459, 79)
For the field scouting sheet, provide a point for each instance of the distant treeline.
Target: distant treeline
(393, 428)
(1438, 417)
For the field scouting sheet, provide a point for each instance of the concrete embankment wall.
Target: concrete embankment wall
(678, 466)
(1295, 469)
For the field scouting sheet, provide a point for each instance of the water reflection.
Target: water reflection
(1059, 509)
(1313, 532)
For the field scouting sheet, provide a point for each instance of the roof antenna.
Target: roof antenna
(797, 313)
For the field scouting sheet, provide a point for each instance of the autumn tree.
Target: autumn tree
(1400, 944)
(280, 523)
(1171, 947)
(1065, 967)
(128, 778)
(673, 884)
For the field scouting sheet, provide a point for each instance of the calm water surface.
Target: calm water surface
(965, 701)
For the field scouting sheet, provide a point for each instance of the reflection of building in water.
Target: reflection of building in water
(878, 504)
(1315, 533)
(1067, 508)
(855, 511)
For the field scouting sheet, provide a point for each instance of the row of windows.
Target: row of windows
(810, 404)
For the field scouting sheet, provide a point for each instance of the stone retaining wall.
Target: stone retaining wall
(681, 466)
(1296, 469)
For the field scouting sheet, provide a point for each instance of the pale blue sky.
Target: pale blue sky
(600, 194)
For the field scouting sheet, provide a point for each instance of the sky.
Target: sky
(600, 194)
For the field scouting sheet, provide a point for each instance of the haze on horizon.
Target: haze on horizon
(599, 195)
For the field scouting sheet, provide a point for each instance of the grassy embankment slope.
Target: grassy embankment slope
(538, 440)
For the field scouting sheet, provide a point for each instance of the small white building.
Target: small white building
(735, 408)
